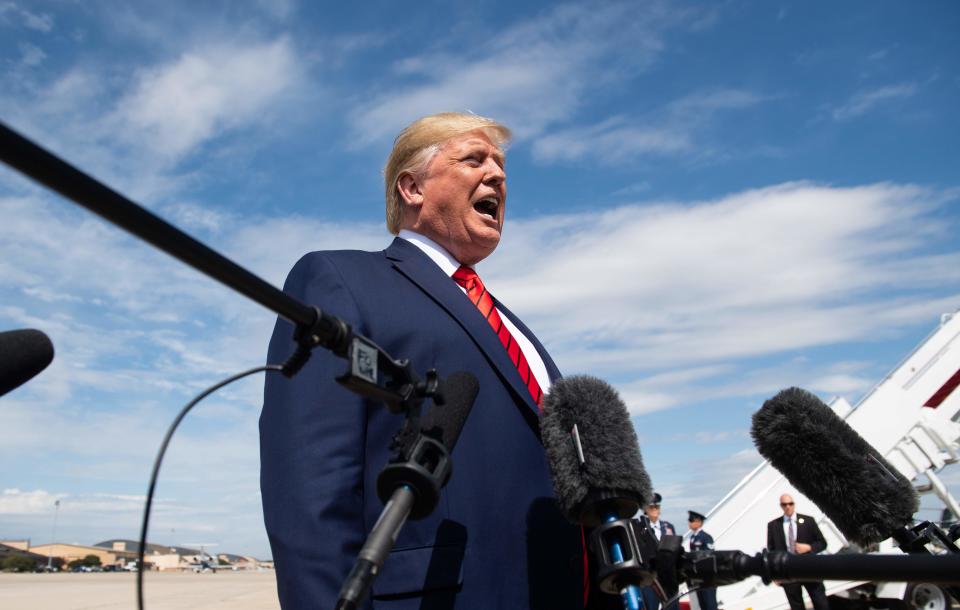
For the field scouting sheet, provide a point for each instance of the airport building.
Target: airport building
(70, 552)
(123, 553)
(19, 548)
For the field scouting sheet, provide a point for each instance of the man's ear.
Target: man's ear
(410, 189)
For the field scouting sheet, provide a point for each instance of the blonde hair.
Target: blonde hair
(416, 145)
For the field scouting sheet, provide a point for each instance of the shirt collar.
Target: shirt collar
(435, 251)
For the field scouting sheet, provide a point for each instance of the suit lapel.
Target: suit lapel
(419, 269)
(802, 527)
(781, 537)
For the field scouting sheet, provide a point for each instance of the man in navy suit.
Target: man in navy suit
(496, 538)
(799, 534)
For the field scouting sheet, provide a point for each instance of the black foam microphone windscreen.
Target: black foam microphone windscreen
(23, 354)
(827, 461)
(445, 422)
(592, 450)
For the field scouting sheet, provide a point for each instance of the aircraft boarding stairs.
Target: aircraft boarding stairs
(912, 417)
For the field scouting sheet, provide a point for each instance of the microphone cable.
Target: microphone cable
(163, 449)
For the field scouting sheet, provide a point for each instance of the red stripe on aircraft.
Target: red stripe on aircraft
(940, 395)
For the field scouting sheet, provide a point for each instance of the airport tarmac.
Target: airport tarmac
(162, 591)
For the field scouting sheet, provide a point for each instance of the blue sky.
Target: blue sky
(731, 198)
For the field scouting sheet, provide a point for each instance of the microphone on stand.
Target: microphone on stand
(598, 476)
(410, 484)
(864, 495)
(23, 354)
(827, 461)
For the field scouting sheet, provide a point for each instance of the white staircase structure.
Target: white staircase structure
(912, 418)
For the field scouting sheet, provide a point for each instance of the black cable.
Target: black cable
(159, 460)
(674, 601)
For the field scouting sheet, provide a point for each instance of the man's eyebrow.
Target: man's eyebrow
(472, 146)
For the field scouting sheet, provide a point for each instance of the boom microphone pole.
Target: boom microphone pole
(400, 390)
(57, 175)
(717, 568)
(673, 565)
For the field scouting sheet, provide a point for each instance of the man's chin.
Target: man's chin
(476, 250)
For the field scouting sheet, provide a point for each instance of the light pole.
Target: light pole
(53, 540)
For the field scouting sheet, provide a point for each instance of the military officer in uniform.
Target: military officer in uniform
(700, 540)
(660, 528)
(651, 518)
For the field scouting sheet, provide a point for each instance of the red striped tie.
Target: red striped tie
(468, 278)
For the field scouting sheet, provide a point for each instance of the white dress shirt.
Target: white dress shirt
(786, 530)
(657, 528)
(449, 265)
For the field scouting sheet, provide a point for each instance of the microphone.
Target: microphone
(23, 354)
(410, 485)
(593, 451)
(598, 475)
(445, 422)
(825, 459)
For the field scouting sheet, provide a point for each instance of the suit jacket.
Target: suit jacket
(807, 532)
(701, 541)
(496, 538)
(666, 528)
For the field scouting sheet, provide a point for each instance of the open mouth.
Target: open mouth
(487, 207)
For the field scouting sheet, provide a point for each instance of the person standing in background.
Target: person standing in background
(799, 534)
(651, 519)
(700, 540)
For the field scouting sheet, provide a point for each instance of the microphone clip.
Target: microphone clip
(919, 538)
(371, 371)
(424, 469)
(636, 546)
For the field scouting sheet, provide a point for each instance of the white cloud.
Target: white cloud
(40, 502)
(131, 125)
(702, 483)
(671, 131)
(757, 273)
(614, 140)
(278, 9)
(711, 437)
(11, 12)
(272, 246)
(717, 99)
(16, 501)
(863, 101)
(193, 217)
(840, 384)
(176, 107)
(645, 392)
(530, 74)
(31, 55)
